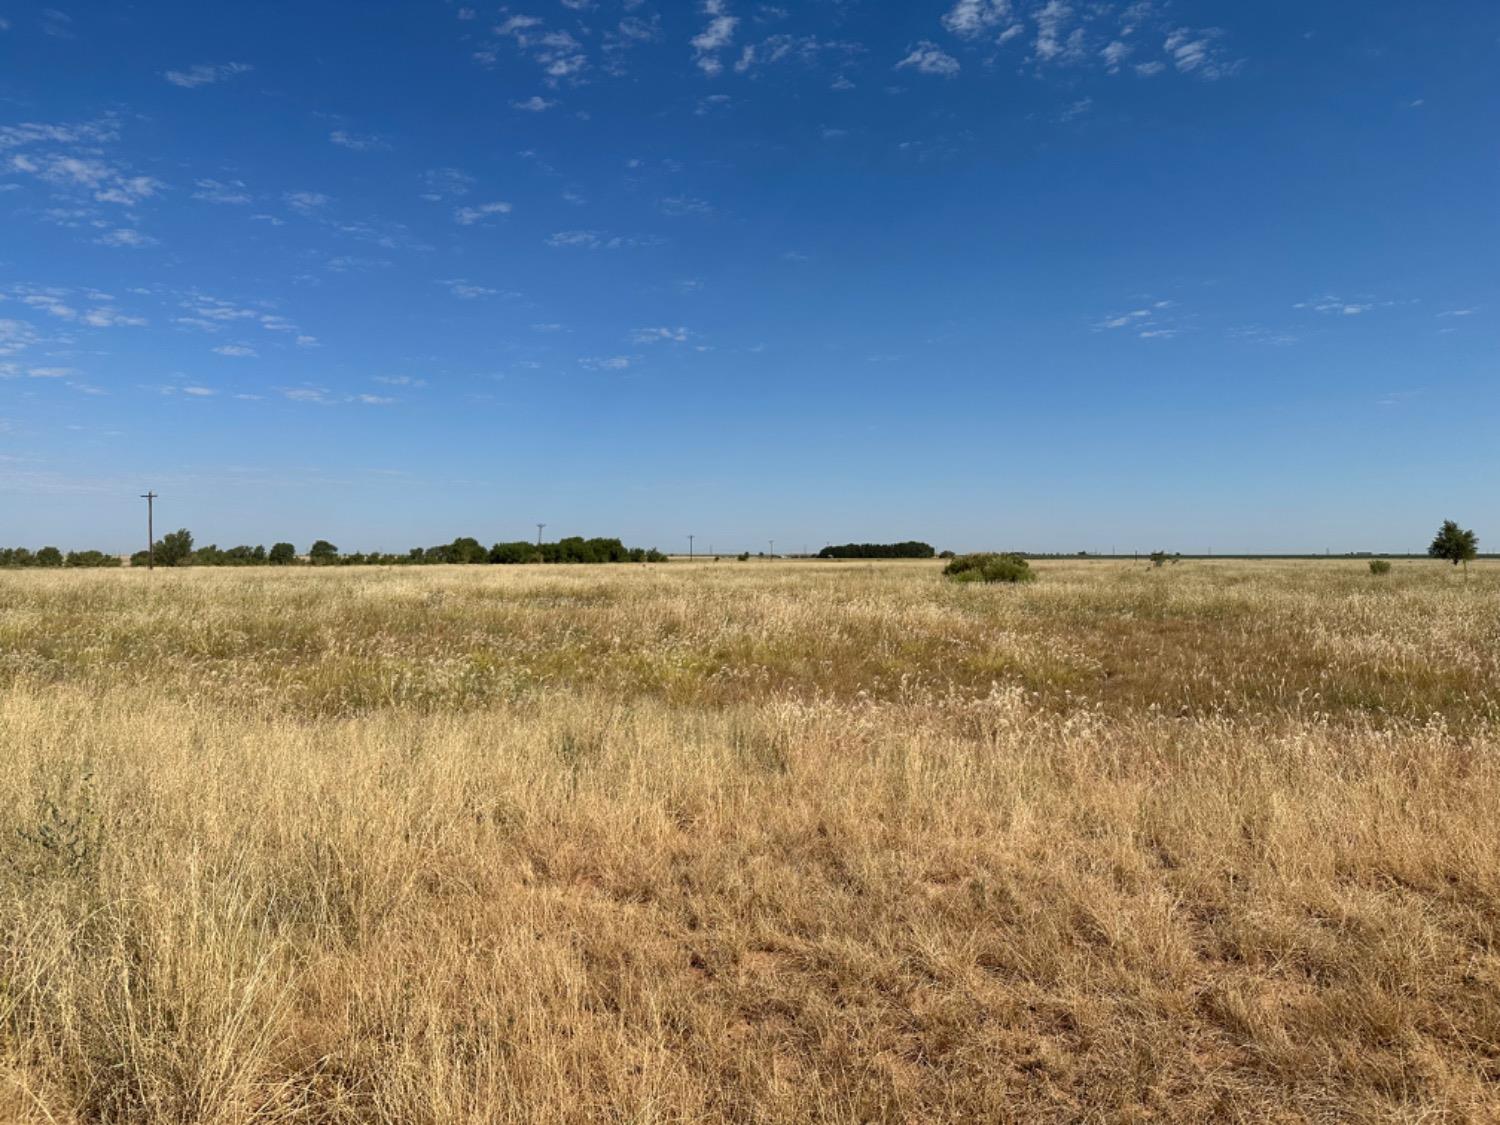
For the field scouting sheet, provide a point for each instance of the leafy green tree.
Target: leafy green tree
(467, 550)
(49, 556)
(513, 553)
(1455, 544)
(322, 552)
(282, 554)
(175, 548)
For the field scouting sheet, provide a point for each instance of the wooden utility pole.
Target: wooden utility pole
(150, 498)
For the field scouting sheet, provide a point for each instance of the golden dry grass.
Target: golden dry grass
(750, 842)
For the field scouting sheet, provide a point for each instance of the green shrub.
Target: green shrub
(1379, 566)
(989, 567)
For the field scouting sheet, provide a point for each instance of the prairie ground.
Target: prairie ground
(761, 842)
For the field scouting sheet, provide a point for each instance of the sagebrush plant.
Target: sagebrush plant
(1379, 566)
(799, 842)
(988, 566)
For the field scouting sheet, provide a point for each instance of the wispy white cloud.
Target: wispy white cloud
(127, 238)
(607, 363)
(1103, 33)
(594, 240)
(238, 351)
(716, 35)
(1151, 320)
(306, 202)
(806, 49)
(216, 191)
(1330, 304)
(970, 19)
(928, 58)
(467, 290)
(205, 74)
(468, 216)
(558, 53)
(358, 142)
(677, 205)
(442, 184)
(659, 335)
(534, 104)
(15, 336)
(1199, 53)
(21, 371)
(323, 396)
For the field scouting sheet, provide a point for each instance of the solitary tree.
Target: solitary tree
(322, 552)
(282, 554)
(1454, 544)
(174, 549)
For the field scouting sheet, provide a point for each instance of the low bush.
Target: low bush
(1379, 566)
(989, 567)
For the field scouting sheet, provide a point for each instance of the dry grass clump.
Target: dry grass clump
(791, 842)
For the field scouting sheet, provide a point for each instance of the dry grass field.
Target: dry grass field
(759, 842)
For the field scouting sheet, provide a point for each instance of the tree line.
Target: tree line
(177, 549)
(51, 556)
(908, 550)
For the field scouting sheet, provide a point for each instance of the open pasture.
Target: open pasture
(763, 841)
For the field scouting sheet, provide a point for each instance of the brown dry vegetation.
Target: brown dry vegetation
(750, 842)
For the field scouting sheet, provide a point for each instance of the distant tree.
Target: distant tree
(467, 550)
(322, 552)
(49, 556)
(175, 548)
(945, 554)
(517, 551)
(282, 554)
(1454, 544)
(908, 550)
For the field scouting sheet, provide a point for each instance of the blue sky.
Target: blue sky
(1052, 275)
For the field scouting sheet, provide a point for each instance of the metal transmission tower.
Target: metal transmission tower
(150, 498)
(539, 556)
(690, 547)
